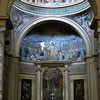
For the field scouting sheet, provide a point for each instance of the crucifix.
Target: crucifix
(52, 95)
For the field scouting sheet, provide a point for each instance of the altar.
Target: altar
(52, 81)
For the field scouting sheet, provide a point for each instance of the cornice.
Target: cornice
(98, 29)
(3, 20)
(4, 17)
(52, 11)
(2, 29)
(97, 17)
(91, 57)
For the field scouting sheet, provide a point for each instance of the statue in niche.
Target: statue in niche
(52, 84)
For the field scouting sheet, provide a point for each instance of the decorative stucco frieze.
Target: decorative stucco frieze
(25, 68)
(77, 69)
(53, 11)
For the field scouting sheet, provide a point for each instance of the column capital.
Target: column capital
(13, 59)
(2, 29)
(2, 32)
(38, 70)
(98, 30)
(38, 66)
(92, 58)
(66, 69)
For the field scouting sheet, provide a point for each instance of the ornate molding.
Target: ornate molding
(53, 11)
(2, 29)
(27, 68)
(77, 69)
(52, 4)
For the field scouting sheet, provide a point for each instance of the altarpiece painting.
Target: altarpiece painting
(79, 89)
(26, 88)
(52, 84)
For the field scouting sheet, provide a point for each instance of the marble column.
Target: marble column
(92, 78)
(98, 30)
(39, 1)
(38, 83)
(1, 61)
(36, 1)
(99, 48)
(66, 83)
(43, 1)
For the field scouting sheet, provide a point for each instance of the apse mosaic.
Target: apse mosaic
(55, 48)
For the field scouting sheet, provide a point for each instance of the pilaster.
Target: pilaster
(99, 48)
(38, 83)
(98, 30)
(13, 78)
(92, 78)
(66, 96)
(1, 60)
(93, 5)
